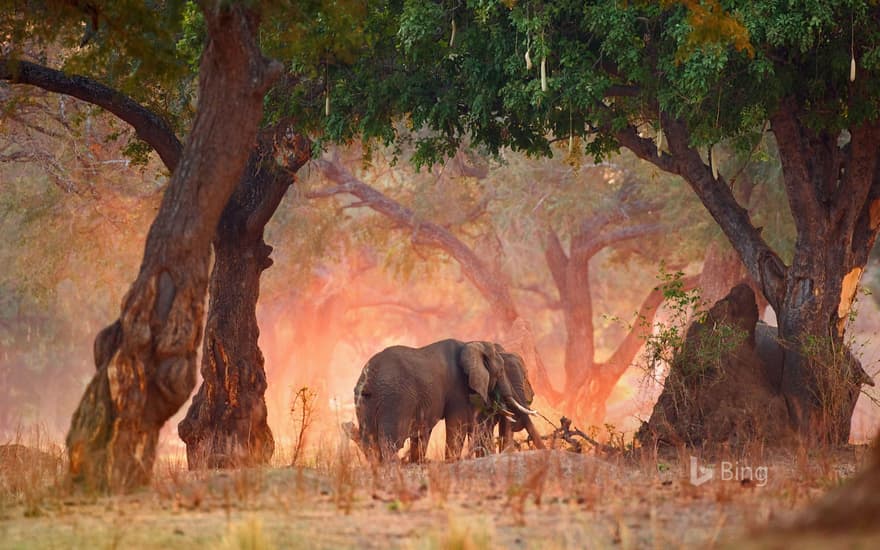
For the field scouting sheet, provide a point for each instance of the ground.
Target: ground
(532, 499)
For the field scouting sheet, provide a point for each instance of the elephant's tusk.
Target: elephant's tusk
(522, 409)
(507, 414)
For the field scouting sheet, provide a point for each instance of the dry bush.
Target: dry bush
(31, 471)
(343, 477)
(302, 409)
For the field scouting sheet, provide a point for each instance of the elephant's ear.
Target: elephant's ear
(472, 359)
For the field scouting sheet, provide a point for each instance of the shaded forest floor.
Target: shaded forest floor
(535, 499)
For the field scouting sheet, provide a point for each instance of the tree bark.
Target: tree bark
(827, 187)
(114, 431)
(226, 423)
(234, 286)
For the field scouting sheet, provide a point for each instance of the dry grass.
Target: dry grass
(533, 499)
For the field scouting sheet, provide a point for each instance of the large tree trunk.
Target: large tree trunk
(829, 190)
(226, 424)
(150, 373)
(819, 385)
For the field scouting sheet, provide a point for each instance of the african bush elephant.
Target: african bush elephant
(403, 392)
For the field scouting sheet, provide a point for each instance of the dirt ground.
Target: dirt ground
(532, 499)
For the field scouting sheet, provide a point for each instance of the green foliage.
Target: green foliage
(663, 345)
(669, 344)
(722, 66)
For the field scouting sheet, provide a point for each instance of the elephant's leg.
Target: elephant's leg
(392, 434)
(457, 428)
(482, 436)
(418, 445)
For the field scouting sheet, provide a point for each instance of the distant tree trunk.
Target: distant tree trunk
(589, 383)
(834, 198)
(114, 431)
(226, 423)
(577, 306)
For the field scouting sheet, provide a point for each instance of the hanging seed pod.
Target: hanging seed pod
(327, 104)
(713, 164)
(570, 143)
(528, 60)
(543, 74)
(852, 70)
(452, 37)
(659, 142)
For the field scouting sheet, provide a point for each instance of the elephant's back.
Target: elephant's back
(402, 366)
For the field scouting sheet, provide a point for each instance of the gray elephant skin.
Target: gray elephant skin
(403, 392)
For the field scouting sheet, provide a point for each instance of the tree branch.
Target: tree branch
(549, 300)
(149, 126)
(298, 151)
(763, 263)
(592, 245)
(795, 155)
(859, 177)
(557, 261)
(488, 282)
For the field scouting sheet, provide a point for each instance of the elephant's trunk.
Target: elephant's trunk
(533, 433)
(524, 412)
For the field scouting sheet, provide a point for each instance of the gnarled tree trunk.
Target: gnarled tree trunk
(145, 379)
(834, 191)
(226, 423)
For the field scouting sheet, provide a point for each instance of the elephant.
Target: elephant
(403, 392)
